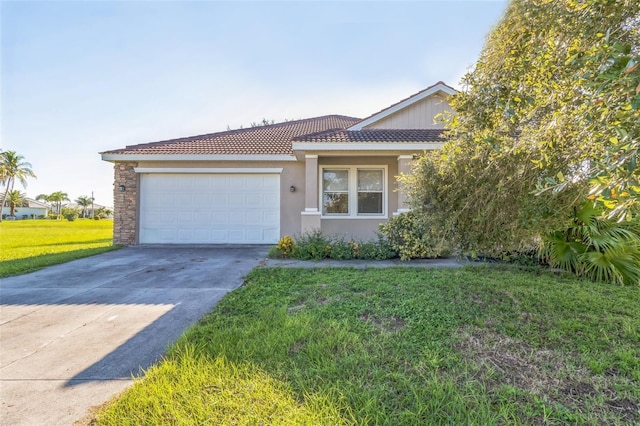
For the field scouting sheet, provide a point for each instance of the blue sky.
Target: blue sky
(80, 77)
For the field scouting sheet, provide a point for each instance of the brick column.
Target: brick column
(125, 204)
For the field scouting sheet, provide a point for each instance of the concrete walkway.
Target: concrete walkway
(73, 335)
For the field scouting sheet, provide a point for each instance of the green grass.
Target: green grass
(28, 245)
(484, 346)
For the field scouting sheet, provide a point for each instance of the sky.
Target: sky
(81, 77)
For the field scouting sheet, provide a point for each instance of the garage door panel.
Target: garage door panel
(210, 208)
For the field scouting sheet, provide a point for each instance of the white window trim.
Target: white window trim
(353, 192)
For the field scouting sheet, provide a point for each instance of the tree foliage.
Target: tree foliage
(84, 202)
(12, 168)
(548, 118)
(15, 199)
(55, 199)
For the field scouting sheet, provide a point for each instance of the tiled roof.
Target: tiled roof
(270, 139)
(374, 135)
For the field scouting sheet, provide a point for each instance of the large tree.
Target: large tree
(12, 168)
(56, 199)
(551, 108)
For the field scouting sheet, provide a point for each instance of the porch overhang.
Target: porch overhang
(300, 149)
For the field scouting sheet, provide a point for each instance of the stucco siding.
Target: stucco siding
(291, 203)
(417, 116)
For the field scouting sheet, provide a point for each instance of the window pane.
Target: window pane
(335, 180)
(335, 203)
(369, 180)
(370, 202)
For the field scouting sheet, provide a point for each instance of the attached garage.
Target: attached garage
(220, 207)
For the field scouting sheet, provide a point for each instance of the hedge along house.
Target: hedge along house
(252, 186)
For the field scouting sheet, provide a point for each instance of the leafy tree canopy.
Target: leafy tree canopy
(12, 168)
(551, 108)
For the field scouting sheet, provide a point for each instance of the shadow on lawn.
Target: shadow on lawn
(26, 265)
(68, 243)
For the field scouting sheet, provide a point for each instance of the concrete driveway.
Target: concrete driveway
(73, 335)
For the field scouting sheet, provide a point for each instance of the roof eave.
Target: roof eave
(364, 148)
(120, 157)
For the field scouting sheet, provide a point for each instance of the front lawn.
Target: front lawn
(28, 245)
(401, 346)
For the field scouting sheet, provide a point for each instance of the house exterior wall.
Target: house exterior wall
(362, 228)
(417, 116)
(28, 211)
(125, 205)
(291, 203)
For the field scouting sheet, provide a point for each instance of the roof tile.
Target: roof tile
(270, 139)
(374, 135)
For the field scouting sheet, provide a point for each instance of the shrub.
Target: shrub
(342, 250)
(317, 246)
(70, 214)
(376, 250)
(285, 245)
(413, 236)
(312, 245)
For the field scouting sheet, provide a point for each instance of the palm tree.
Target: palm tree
(12, 167)
(15, 199)
(56, 200)
(84, 202)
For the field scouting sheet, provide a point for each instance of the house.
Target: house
(89, 211)
(254, 185)
(30, 209)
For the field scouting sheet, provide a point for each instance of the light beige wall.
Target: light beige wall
(352, 229)
(291, 203)
(357, 228)
(417, 116)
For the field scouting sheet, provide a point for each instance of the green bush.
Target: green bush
(312, 246)
(317, 246)
(341, 249)
(376, 250)
(70, 214)
(413, 236)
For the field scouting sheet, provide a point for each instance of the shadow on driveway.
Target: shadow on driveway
(73, 335)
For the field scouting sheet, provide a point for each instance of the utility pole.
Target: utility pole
(93, 211)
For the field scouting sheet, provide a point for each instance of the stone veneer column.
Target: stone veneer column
(404, 167)
(125, 204)
(311, 215)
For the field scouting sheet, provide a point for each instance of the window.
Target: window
(353, 191)
(370, 184)
(335, 191)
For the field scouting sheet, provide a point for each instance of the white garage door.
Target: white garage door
(209, 208)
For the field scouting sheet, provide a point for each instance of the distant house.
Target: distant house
(332, 173)
(89, 210)
(29, 209)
